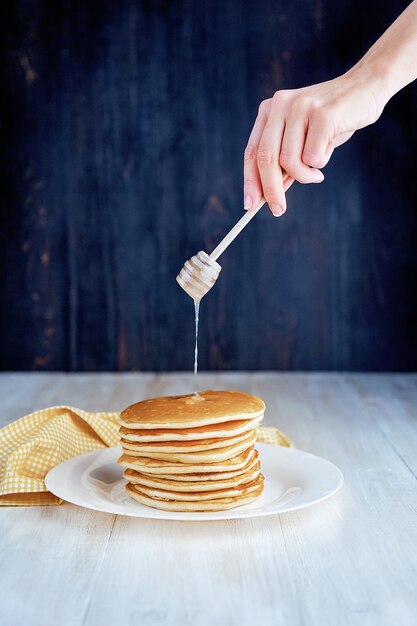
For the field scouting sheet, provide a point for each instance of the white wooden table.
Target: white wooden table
(350, 560)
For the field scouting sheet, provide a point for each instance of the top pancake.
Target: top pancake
(212, 407)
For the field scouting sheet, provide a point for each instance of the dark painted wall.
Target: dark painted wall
(122, 130)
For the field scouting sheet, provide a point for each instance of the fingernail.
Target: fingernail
(247, 203)
(318, 176)
(277, 210)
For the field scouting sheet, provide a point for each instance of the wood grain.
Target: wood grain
(349, 560)
(123, 126)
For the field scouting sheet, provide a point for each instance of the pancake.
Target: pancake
(218, 504)
(196, 477)
(156, 466)
(200, 496)
(137, 478)
(211, 407)
(196, 445)
(209, 431)
(202, 456)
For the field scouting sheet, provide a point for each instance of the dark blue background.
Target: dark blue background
(123, 125)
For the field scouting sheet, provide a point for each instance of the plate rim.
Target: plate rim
(239, 513)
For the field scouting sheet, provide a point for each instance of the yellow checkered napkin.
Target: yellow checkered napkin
(34, 444)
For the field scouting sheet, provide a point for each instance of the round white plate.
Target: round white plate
(293, 480)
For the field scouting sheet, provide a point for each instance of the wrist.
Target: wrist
(373, 75)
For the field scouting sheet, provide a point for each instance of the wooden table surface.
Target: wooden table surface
(349, 560)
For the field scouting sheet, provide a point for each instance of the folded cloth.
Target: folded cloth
(34, 444)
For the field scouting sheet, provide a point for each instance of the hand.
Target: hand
(298, 129)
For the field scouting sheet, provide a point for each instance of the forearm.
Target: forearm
(391, 63)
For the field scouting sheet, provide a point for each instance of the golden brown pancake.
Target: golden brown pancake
(196, 445)
(218, 504)
(212, 407)
(137, 478)
(201, 456)
(209, 431)
(199, 496)
(196, 477)
(156, 466)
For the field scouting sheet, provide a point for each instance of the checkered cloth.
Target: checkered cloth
(34, 444)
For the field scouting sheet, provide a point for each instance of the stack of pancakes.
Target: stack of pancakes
(193, 453)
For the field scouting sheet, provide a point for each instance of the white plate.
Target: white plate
(293, 480)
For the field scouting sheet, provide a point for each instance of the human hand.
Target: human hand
(298, 129)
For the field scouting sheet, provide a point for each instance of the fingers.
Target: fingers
(290, 157)
(268, 162)
(316, 151)
(252, 186)
(294, 131)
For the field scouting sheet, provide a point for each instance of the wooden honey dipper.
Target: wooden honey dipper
(200, 273)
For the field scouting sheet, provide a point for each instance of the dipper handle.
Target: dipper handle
(233, 233)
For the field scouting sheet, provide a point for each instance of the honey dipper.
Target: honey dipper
(200, 273)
